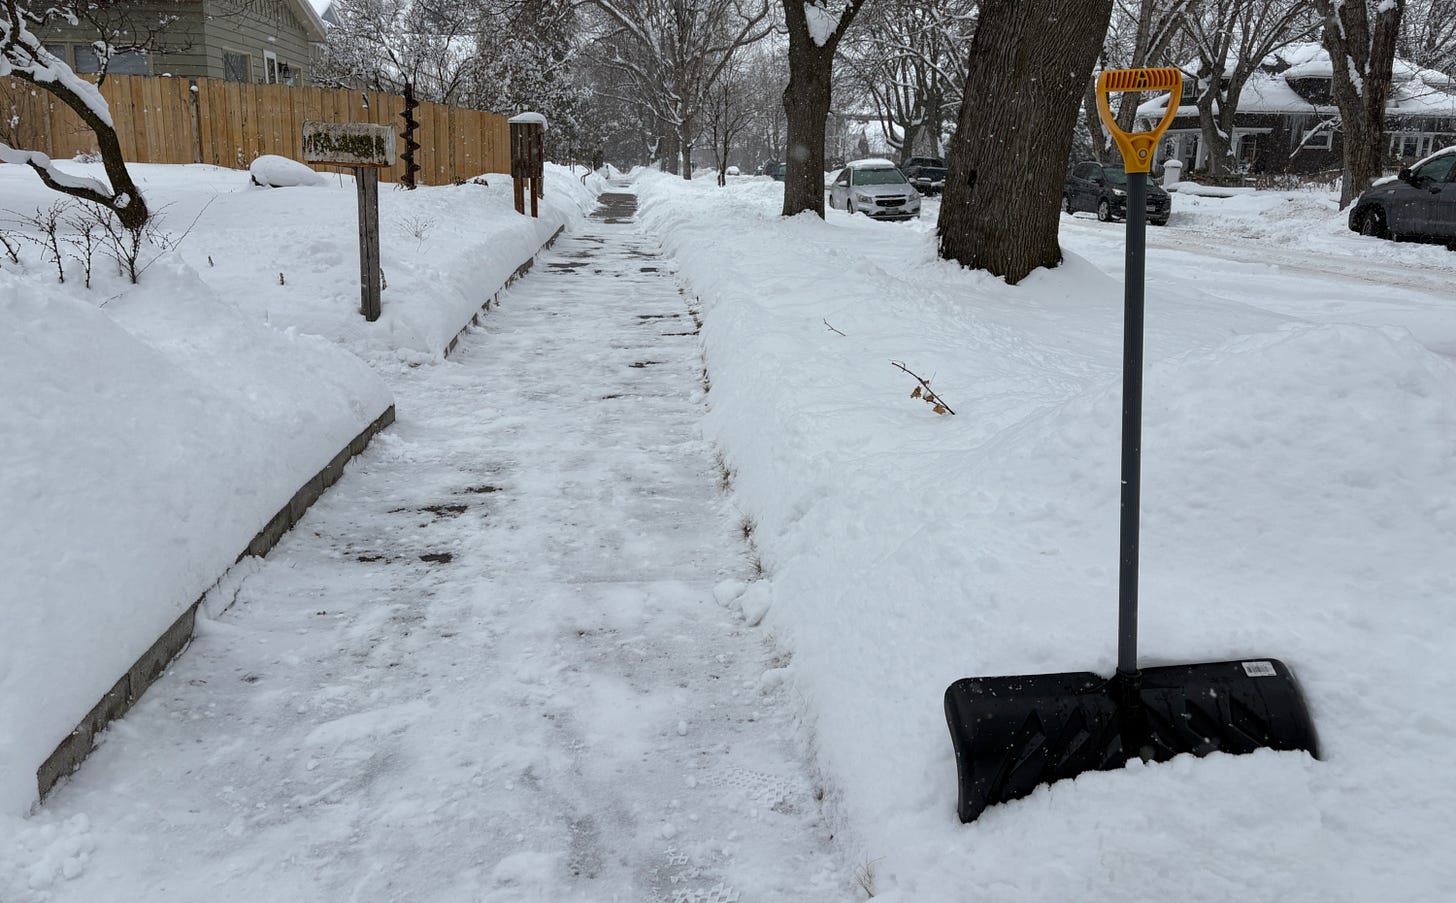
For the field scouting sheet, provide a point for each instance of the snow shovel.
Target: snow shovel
(1013, 734)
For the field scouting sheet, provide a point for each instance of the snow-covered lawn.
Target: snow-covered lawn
(1299, 459)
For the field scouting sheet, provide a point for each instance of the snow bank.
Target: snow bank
(1296, 504)
(146, 443)
(152, 431)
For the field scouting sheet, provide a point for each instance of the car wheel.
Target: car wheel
(1158, 222)
(1067, 204)
(1373, 224)
(1104, 211)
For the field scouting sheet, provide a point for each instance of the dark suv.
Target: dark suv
(927, 174)
(1419, 204)
(1101, 188)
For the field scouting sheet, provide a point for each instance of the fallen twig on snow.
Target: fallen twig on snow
(924, 391)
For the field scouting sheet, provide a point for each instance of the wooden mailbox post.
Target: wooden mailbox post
(528, 158)
(365, 149)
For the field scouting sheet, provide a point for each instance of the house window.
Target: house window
(86, 60)
(237, 67)
(1250, 149)
(1407, 145)
(128, 62)
(1318, 138)
(270, 67)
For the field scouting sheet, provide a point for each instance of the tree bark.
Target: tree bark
(806, 106)
(1216, 133)
(1093, 121)
(1030, 60)
(1362, 49)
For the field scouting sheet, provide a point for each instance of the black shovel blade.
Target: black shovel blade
(1013, 734)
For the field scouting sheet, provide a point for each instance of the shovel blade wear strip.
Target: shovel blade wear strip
(1014, 734)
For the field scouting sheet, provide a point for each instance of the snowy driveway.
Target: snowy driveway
(494, 663)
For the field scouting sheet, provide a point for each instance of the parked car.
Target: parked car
(926, 177)
(875, 188)
(922, 161)
(732, 171)
(1101, 188)
(1418, 204)
(777, 171)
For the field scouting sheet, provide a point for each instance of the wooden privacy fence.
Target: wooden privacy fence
(182, 120)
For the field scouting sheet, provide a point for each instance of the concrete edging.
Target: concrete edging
(73, 750)
(494, 299)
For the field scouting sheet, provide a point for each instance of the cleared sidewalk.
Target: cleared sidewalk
(493, 663)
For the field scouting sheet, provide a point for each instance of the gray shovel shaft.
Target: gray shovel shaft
(1132, 422)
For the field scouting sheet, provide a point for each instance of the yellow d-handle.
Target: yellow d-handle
(1137, 147)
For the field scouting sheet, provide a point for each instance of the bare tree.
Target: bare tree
(1232, 39)
(23, 57)
(1361, 37)
(729, 116)
(1003, 190)
(815, 29)
(1428, 34)
(384, 45)
(909, 63)
(674, 53)
(532, 66)
(1142, 33)
(1146, 29)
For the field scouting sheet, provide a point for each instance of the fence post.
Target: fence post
(192, 97)
(528, 158)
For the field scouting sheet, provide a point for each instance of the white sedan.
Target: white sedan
(875, 188)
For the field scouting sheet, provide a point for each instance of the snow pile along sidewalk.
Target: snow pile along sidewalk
(1297, 503)
(152, 430)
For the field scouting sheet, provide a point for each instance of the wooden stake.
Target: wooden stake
(367, 178)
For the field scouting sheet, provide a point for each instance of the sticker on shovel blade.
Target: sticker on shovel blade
(1259, 669)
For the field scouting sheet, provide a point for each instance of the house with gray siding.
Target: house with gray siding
(260, 41)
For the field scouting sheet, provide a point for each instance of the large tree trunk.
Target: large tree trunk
(806, 104)
(1362, 48)
(1217, 139)
(686, 143)
(1030, 60)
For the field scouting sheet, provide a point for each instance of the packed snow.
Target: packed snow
(1300, 421)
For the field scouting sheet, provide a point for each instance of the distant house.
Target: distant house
(262, 41)
(1287, 120)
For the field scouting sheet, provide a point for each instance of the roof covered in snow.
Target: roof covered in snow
(1414, 91)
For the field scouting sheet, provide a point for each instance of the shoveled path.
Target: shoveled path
(497, 662)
